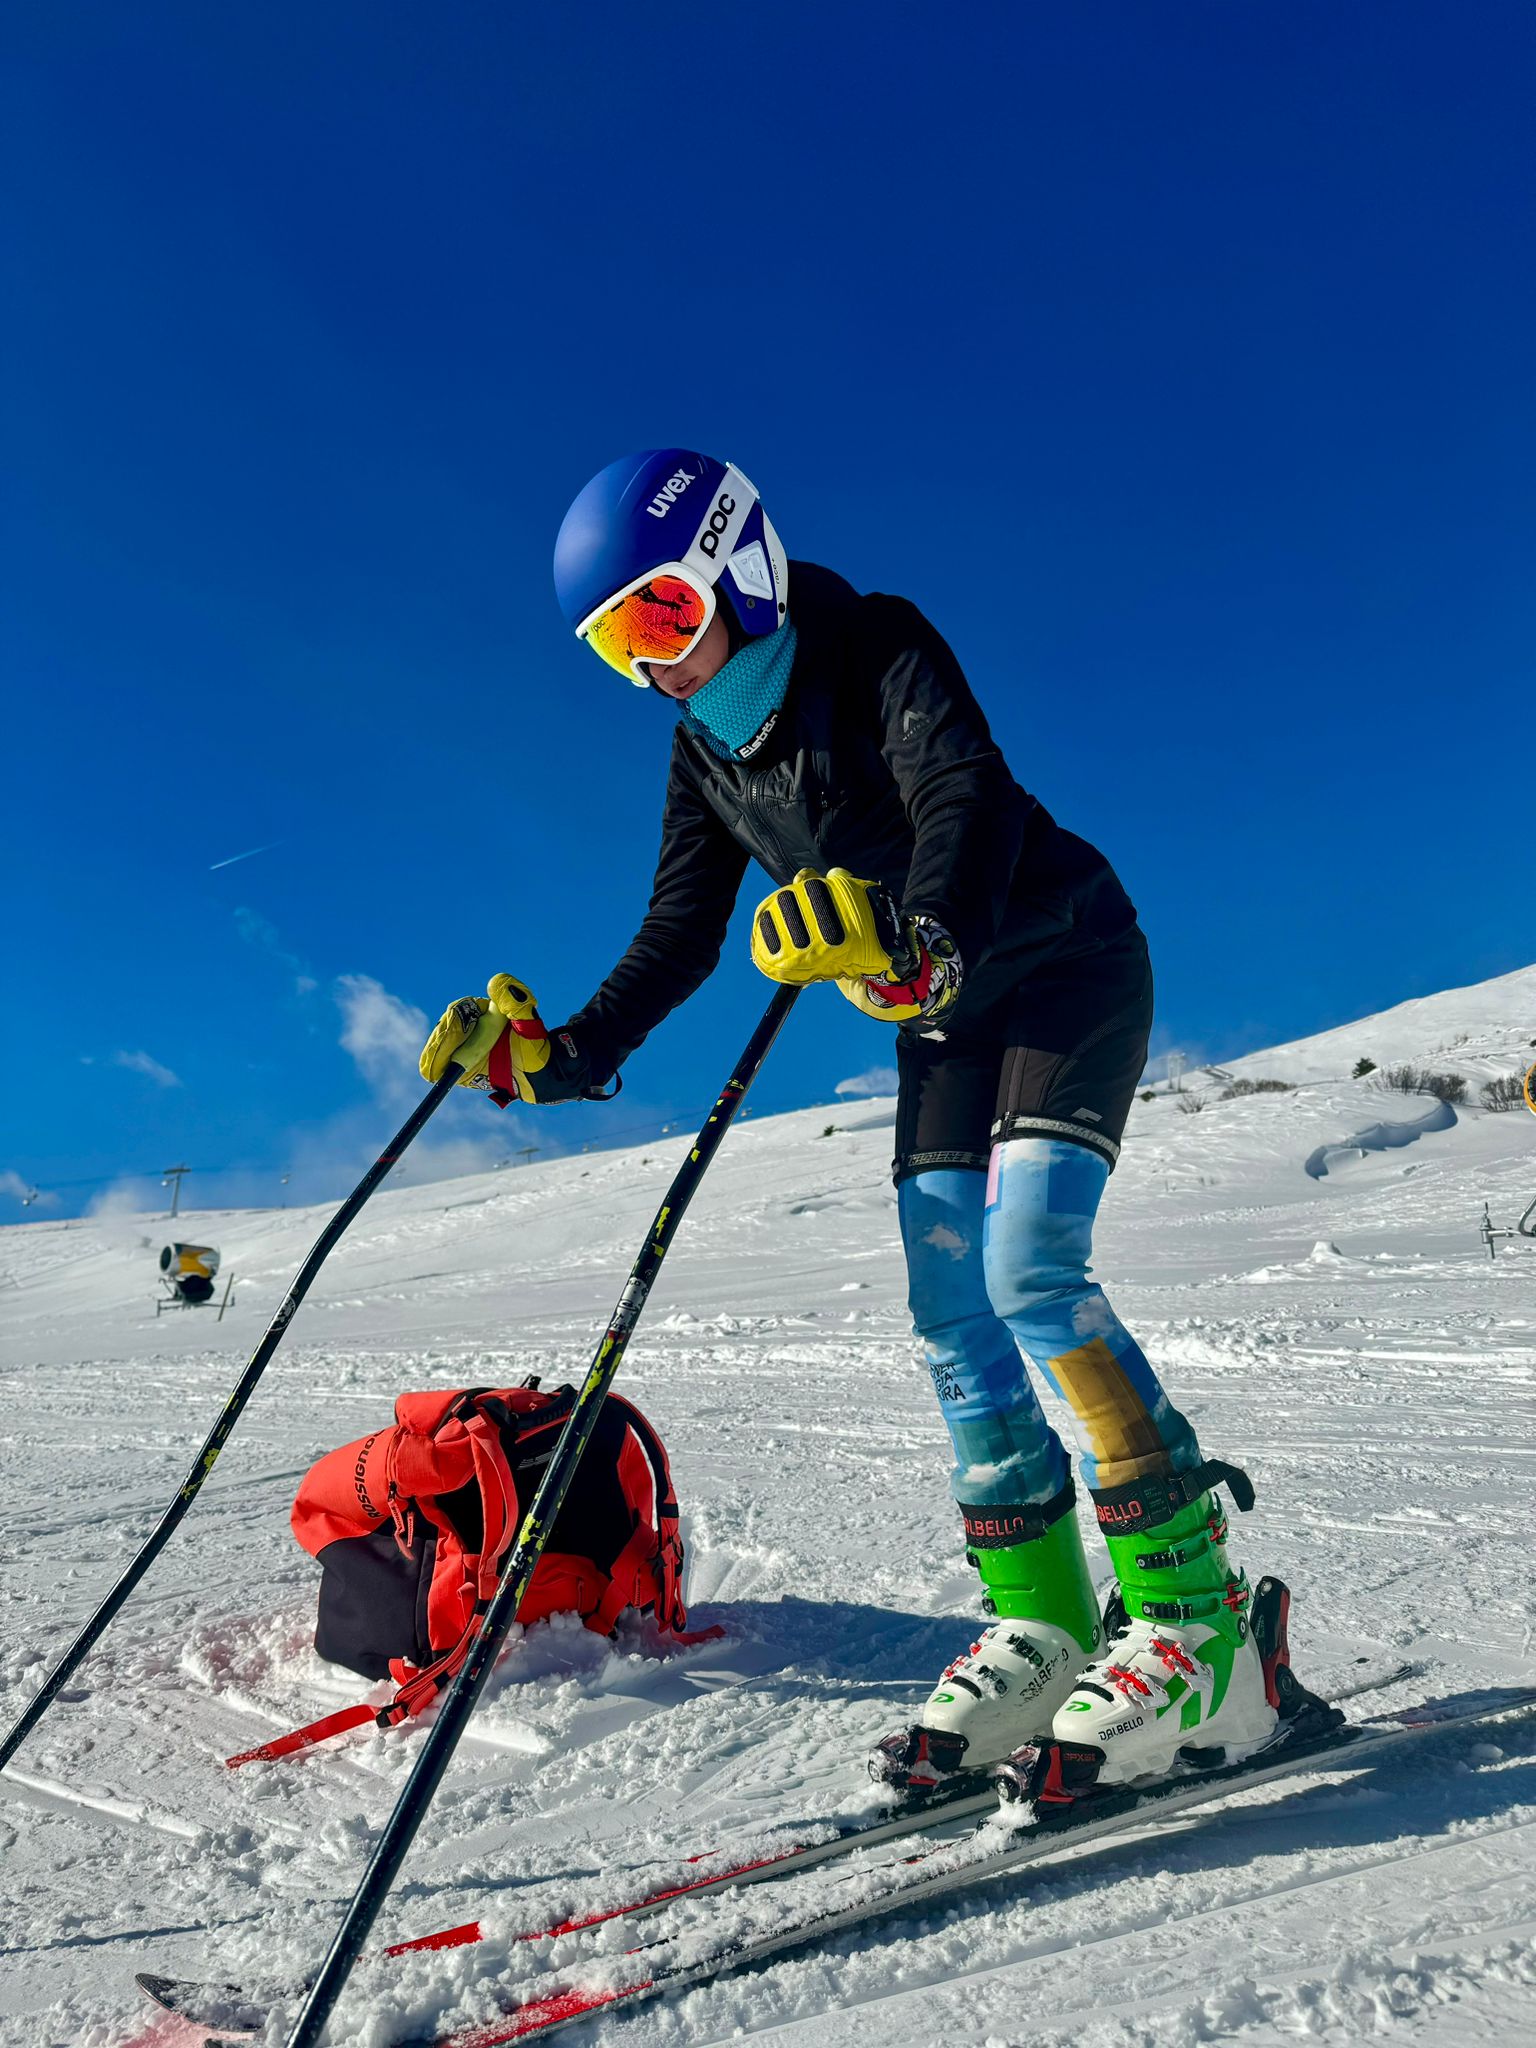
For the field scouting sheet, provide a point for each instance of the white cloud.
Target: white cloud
(383, 1034)
(874, 1081)
(141, 1063)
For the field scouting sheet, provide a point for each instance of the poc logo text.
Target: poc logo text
(719, 520)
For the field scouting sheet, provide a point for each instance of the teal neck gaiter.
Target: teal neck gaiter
(735, 710)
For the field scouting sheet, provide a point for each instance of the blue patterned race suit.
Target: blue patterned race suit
(998, 1266)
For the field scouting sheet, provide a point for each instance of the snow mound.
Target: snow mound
(1383, 1136)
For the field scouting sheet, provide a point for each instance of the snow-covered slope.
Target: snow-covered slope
(1347, 1337)
(1481, 1031)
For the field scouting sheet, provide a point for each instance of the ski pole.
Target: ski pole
(219, 1435)
(517, 1570)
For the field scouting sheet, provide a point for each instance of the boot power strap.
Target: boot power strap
(1148, 1502)
(997, 1528)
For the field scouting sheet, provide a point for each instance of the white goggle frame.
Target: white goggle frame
(684, 574)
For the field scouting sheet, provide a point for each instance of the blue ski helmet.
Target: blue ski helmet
(671, 506)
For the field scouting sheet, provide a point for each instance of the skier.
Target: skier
(833, 738)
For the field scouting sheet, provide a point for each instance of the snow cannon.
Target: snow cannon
(188, 1270)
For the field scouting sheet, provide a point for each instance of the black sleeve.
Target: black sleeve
(966, 811)
(698, 873)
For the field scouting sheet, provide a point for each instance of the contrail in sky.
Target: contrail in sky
(249, 854)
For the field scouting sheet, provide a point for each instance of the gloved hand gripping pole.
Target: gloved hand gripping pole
(222, 1430)
(517, 1570)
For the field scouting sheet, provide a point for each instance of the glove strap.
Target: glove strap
(914, 990)
(931, 983)
(499, 1069)
(501, 1081)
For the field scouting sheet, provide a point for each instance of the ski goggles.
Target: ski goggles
(660, 617)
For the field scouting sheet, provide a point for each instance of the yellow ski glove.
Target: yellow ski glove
(838, 928)
(500, 1041)
(857, 993)
(823, 927)
(464, 1035)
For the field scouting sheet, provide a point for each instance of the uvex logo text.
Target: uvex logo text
(669, 493)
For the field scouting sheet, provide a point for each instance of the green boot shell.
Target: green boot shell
(1182, 1565)
(1043, 1580)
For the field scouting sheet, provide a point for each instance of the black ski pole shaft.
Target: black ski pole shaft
(219, 1435)
(517, 1570)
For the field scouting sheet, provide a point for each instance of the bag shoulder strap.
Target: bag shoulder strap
(655, 1451)
(670, 1611)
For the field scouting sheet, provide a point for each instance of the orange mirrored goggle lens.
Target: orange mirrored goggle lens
(658, 622)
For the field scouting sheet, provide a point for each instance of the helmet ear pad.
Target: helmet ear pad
(758, 604)
(747, 614)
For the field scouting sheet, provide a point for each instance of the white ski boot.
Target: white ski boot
(1006, 1688)
(1182, 1671)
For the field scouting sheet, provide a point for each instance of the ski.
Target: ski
(235, 2014)
(663, 1969)
(239, 2014)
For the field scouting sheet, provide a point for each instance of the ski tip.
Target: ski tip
(198, 2012)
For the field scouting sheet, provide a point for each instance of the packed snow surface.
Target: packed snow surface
(1346, 1336)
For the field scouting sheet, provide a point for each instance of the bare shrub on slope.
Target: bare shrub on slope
(1507, 1092)
(1411, 1080)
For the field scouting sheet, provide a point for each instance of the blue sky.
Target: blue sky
(1175, 360)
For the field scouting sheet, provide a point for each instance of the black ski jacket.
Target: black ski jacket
(881, 762)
